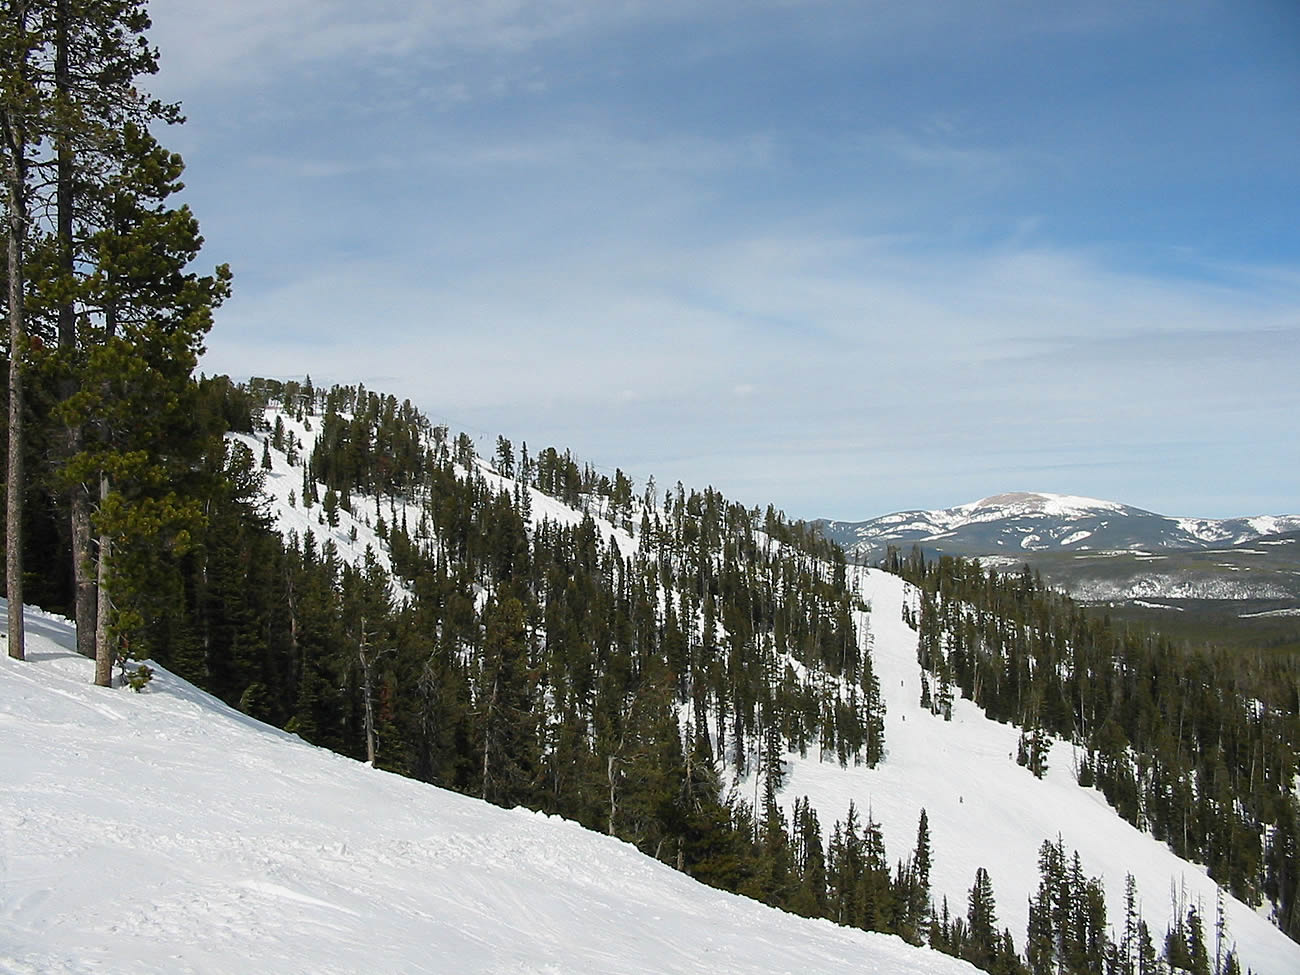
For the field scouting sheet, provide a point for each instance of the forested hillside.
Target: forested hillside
(513, 654)
(1195, 745)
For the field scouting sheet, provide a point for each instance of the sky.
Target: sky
(846, 258)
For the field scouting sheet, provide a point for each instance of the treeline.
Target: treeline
(1196, 746)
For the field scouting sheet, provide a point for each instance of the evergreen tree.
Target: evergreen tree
(914, 886)
(134, 401)
(506, 717)
(984, 944)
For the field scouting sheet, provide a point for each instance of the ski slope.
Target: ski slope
(166, 833)
(986, 811)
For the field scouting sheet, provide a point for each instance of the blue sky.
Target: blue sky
(846, 258)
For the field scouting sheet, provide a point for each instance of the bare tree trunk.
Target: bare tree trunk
(487, 734)
(104, 655)
(83, 563)
(369, 706)
(14, 492)
(611, 772)
(16, 231)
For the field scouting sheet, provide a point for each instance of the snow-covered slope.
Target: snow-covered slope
(283, 484)
(1034, 522)
(986, 811)
(356, 529)
(165, 833)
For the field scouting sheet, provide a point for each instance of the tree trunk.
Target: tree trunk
(83, 563)
(487, 734)
(611, 772)
(104, 655)
(14, 492)
(16, 230)
(369, 711)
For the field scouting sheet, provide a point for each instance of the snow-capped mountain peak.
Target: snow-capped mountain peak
(1028, 521)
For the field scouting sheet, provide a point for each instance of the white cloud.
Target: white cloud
(862, 351)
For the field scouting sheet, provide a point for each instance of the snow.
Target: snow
(1073, 537)
(1147, 605)
(1204, 529)
(284, 479)
(985, 810)
(166, 833)
(1020, 503)
(1238, 530)
(1271, 612)
(1272, 524)
(999, 561)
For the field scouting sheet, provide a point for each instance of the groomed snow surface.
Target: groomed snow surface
(166, 833)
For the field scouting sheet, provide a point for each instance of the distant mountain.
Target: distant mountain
(1026, 522)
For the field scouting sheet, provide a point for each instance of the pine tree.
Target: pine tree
(984, 944)
(70, 90)
(809, 898)
(134, 401)
(1198, 954)
(21, 117)
(508, 726)
(100, 54)
(914, 885)
(331, 507)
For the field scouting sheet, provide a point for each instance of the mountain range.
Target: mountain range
(1027, 522)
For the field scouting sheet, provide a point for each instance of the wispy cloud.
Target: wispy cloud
(1039, 349)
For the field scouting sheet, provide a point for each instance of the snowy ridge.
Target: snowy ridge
(1038, 522)
(1021, 503)
(283, 488)
(282, 484)
(166, 833)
